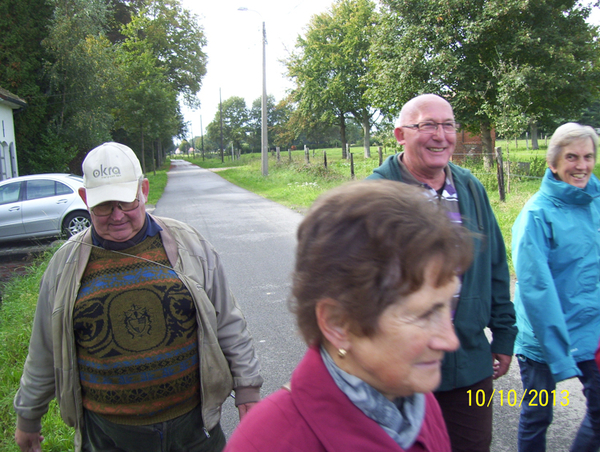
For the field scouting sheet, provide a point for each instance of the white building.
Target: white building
(8, 152)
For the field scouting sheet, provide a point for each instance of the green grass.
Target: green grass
(16, 316)
(158, 182)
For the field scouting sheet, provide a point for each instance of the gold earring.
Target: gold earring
(342, 353)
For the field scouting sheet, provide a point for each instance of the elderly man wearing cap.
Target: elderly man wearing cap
(136, 332)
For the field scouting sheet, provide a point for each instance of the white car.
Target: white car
(41, 205)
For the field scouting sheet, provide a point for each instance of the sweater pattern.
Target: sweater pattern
(135, 329)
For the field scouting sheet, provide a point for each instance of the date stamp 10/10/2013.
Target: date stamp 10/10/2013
(536, 398)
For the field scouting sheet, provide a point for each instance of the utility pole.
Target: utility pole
(264, 137)
(202, 137)
(264, 141)
(221, 117)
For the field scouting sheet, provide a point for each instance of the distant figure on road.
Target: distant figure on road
(427, 129)
(136, 332)
(376, 270)
(556, 252)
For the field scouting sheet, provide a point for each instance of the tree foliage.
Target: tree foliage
(501, 63)
(235, 123)
(21, 62)
(331, 67)
(175, 38)
(96, 70)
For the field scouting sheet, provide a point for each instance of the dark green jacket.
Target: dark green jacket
(485, 294)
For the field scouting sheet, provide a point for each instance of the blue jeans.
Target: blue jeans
(534, 420)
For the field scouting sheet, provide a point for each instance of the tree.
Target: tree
(278, 130)
(147, 103)
(25, 24)
(591, 115)
(83, 77)
(176, 39)
(502, 64)
(277, 114)
(331, 67)
(235, 124)
(83, 88)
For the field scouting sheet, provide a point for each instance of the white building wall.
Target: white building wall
(8, 153)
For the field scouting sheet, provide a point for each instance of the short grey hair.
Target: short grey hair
(565, 135)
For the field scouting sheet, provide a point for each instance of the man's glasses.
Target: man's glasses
(431, 127)
(106, 208)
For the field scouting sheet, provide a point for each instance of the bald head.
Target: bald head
(426, 152)
(412, 108)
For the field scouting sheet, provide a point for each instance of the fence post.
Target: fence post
(500, 168)
(352, 166)
(325, 159)
(306, 155)
(380, 151)
(277, 150)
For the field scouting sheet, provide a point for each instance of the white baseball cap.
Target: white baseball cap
(111, 172)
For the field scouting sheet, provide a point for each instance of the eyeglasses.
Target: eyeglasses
(431, 127)
(106, 208)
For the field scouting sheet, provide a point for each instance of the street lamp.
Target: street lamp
(264, 153)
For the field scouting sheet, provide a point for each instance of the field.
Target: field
(296, 184)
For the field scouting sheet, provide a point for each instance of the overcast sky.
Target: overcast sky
(234, 48)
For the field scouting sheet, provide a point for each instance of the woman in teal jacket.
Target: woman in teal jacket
(556, 252)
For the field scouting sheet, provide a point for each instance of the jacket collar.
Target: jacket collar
(561, 193)
(317, 398)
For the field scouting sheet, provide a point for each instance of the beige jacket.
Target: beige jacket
(227, 356)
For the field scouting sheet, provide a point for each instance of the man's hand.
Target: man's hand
(501, 363)
(244, 408)
(28, 442)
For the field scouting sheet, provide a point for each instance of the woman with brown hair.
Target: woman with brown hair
(377, 268)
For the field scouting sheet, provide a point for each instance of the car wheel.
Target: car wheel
(76, 222)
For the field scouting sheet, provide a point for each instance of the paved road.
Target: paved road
(256, 239)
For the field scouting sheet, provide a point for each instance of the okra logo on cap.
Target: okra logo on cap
(107, 172)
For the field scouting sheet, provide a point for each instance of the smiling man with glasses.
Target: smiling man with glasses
(126, 334)
(427, 130)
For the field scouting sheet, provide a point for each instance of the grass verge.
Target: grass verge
(16, 316)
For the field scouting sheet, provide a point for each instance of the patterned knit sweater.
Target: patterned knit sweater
(136, 335)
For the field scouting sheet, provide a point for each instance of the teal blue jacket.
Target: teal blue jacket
(485, 293)
(556, 251)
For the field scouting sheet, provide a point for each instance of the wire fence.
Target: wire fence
(490, 168)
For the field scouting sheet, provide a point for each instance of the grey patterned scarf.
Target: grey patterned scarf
(401, 419)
